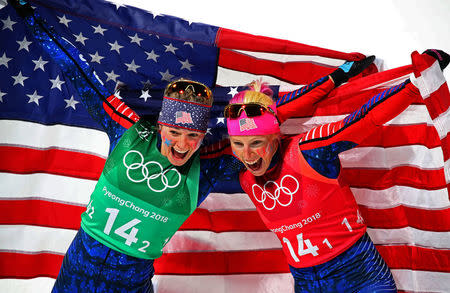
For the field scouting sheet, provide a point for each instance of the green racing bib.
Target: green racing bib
(141, 200)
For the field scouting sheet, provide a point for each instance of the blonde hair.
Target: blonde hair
(257, 97)
(258, 92)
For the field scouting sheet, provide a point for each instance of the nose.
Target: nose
(182, 142)
(247, 152)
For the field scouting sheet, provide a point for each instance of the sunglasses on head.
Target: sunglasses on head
(188, 87)
(251, 109)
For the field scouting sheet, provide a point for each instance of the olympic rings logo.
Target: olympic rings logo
(275, 197)
(145, 172)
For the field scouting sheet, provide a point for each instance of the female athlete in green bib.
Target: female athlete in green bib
(151, 183)
(148, 188)
(153, 178)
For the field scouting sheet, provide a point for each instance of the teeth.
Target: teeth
(251, 163)
(181, 152)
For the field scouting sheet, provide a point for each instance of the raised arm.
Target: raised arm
(94, 96)
(321, 145)
(303, 101)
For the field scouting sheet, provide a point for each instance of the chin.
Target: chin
(177, 163)
(258, 173)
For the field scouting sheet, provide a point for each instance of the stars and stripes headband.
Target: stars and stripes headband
(250, 112)
(185, 114)
(257, 123)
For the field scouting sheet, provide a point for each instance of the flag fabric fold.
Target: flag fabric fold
(52, 152)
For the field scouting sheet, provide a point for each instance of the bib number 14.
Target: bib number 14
(310, 249)
(130, 237)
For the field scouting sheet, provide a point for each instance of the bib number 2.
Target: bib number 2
(310, 249)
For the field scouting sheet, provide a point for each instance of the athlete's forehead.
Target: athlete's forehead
(251, 138)
(179, 130)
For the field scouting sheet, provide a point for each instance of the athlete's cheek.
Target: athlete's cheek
(269, 148)
(194, 143)
(234, 153)
(237, 155)
(198, 143)
(261, 152)
(167, 142)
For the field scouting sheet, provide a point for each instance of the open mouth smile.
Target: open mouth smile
(179, 154)
(254, 165)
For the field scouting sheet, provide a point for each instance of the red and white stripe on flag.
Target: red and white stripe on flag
(434, 90)
(400, 178)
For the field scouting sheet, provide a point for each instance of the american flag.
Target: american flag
(247, 124)
(183, 117)
(52, 152)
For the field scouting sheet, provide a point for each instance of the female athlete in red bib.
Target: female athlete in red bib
(297, 189)
(152, 180)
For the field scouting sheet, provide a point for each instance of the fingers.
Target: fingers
(442, 57)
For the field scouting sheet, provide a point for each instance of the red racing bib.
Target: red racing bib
(314, 217)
